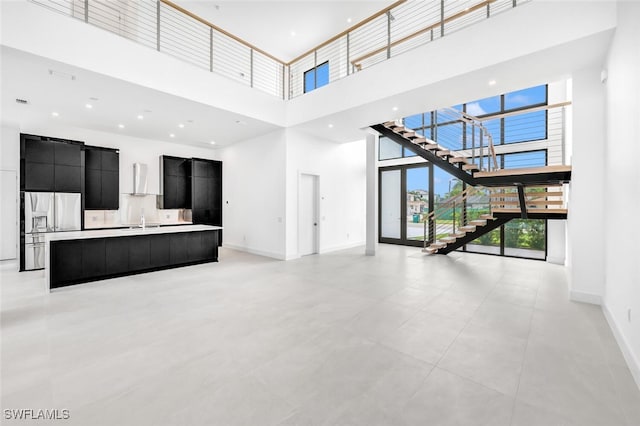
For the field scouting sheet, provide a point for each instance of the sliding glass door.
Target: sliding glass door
(405, 199)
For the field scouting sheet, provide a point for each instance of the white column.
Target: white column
(372, 195)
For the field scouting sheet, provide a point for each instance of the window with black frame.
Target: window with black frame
(316, 77)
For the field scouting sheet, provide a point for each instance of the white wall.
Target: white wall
(621, 183)
(586, 206)
(342, 172)
(10, 162)
(254, 195)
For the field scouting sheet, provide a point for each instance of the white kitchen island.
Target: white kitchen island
(83, 256)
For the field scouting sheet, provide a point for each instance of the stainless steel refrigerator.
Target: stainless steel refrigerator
(47, 212)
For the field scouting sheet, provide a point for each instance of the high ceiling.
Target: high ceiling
(285, 29)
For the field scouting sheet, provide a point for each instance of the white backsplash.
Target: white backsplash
(131, 209)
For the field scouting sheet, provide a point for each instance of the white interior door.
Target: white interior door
(308, 215)
(8, 215)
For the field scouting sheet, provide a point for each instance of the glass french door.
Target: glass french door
(405, 198)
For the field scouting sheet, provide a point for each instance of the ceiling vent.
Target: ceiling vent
(22, 101)
(62, 75)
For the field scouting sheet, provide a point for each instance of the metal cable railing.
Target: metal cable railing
(167, 27)
(394, 30)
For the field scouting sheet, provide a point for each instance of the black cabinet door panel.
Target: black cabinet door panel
(38, 177)
(183, 193)
(195, 250)
(110, 190)
(92, 159)
(93, 255)
(201, 168)
(93, 189)
(200, 192)
(209, 244)
(178, 252)
(67, 154)
(170, 192)
(110, 161)
(67, 178)
(160, 250)
(37, 151)
(139, 253)
(170, 166)
(66, 262)
(116, 255)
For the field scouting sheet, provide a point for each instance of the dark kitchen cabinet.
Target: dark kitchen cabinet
(38, 177)
(67, 178)
(178, 253)
(116, 255)
(206, 192)
(102, 179)
(159, 250)
(66, 262)
(50, 165)
(175, 182)
(67, 154)
(93, 258)
(139, 253)
(76, 261)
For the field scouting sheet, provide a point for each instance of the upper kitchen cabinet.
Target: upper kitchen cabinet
(50, 165)
(102, 179)
(175, 182)
(206, 192)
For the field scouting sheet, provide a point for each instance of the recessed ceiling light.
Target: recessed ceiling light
(293, 33)
(140, 117)
(492, 82)
(212, 142)
(121, 126)
(348, 20)
(171, 135)
(88, 106)
(331, 126)
(55, 114)
(394, 108)
(181, 125)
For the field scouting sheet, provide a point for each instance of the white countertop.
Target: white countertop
(126, 232)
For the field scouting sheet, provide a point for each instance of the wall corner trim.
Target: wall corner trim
(580, 296)
(632, 360)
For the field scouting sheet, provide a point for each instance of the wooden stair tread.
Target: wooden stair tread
(478, 222)
(455, 160)
(429, 250)
(526, 194)
(437, 245)
(419, 140)
(448, 239)
(470, 167)
(560, 211)
(390, 124)
(467, 228)
(528, 203)
(443, 153)
(524, 171)
(487, 217)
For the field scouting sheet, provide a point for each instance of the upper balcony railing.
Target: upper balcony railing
(168, 28)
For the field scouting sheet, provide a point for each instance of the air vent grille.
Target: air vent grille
(22, 101)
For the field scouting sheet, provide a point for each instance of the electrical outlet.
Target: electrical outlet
(167, 216)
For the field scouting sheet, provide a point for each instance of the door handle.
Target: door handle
(315, 224)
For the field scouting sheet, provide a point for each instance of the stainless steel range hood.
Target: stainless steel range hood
(140, 171)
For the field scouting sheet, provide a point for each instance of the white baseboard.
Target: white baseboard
(632, 360)
(272, 255)
(580, 296)
(341, 247)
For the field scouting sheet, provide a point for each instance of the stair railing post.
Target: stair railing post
(442, 18)
(454, 217)
(348, 63)
(158, 25)
(251, 67)
(481, 148)
(86, 10)
(388, 34)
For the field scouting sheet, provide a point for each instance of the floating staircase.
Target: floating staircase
(527, 193)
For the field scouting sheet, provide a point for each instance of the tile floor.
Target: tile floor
(335, 339)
